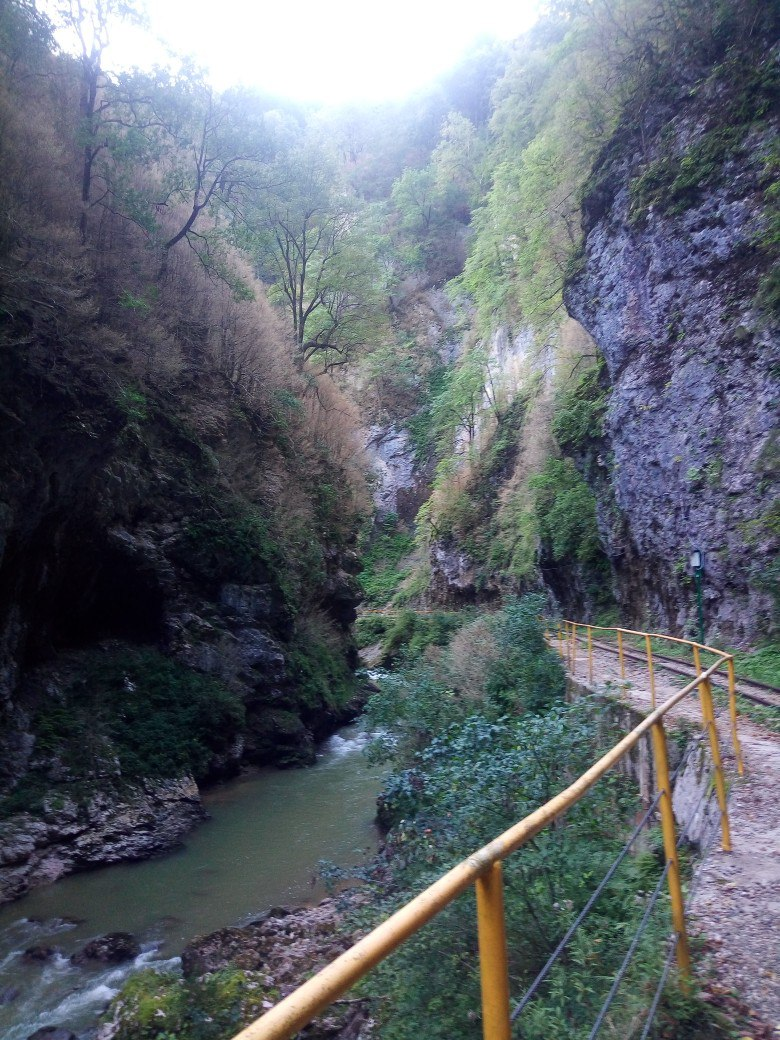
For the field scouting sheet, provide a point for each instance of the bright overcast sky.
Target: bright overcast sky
(328, 51)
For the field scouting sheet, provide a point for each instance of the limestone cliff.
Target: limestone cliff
(674, 286)
(162, 617)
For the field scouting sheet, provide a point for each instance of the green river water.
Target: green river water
(268, 831)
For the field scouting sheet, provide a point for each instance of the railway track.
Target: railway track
(750, 689)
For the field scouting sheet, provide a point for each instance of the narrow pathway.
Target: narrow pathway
(735, 906)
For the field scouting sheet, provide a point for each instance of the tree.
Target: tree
(218, 156)
(320, 256)
(457, 409)
(415, 197)
(459, 163)
(90, 25)
(25, 36)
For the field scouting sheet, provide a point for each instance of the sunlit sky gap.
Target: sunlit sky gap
(324, 51)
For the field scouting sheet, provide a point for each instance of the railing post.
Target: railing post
(620, 654)
(733, 713)
(574, 648)
(493, 966)
(670, 845)
(651, 673)
(708, 716)
(590, 653)
(720, 784)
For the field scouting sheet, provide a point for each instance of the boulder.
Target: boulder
(53, 1033)
(112, 948)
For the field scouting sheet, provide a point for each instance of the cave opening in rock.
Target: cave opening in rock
(87, 590)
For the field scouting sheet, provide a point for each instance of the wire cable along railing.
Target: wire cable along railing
(483, 868)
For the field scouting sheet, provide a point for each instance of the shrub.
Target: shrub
(527, 674)
(155, 716)
(318, 666)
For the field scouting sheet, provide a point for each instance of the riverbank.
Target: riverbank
(260, 848)
(239, 973)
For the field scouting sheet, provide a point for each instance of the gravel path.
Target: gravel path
(735, 906)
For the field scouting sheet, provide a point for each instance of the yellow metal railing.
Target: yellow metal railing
(569, 633)
(483, 870)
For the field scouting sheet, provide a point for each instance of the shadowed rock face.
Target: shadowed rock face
(148, 818)
(104, 548)
(667, 291)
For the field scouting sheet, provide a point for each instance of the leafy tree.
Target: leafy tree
(219, 151)
(459, 164)
(26, 36)
(90, 23)
(319, 250)
(465, 395)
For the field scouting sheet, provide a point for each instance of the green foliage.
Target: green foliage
(382, 557)
(422, 425)
(232, 544)
(161, 718)
(527, 673)
(457, 406)
(580, 409)
(566, 512)
(411, 633)
(469, 783)
(467, 512)
(423, 695)
(317, 665)
(130, 714)
(134, 404)
(673, 183)
(762, 664)
(768, 239)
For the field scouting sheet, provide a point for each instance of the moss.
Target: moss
(320, 672)
(673, 183)
(163, 1006)
(134, 713)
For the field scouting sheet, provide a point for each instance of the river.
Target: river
(261, 847)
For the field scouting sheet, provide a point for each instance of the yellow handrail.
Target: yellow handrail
(570, 629)
(483, 869)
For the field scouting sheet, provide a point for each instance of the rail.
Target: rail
(568, 637)
(483, 869)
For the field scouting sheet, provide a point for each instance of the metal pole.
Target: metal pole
(574, 649)
(670, 846)
(649, 650)
(733, 713)
(620, 654)
(700, 604)
(493, 966)
(705, 690)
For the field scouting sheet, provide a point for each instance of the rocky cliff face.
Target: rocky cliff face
(672, 288)
(67, 836)
(134, 563)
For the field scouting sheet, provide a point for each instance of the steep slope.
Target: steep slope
(178, 503)
(676, 287)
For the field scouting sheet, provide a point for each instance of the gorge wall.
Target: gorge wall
(163, 618)
(673, 288)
